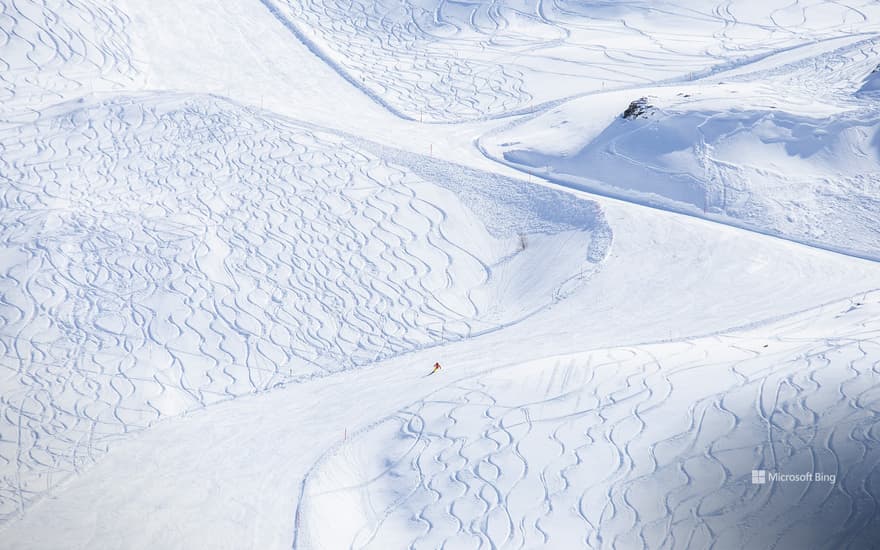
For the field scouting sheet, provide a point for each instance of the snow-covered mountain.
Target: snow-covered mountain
(237, 235)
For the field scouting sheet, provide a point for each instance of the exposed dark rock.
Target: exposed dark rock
(638, 108)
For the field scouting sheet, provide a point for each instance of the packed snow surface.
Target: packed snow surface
(235, 236)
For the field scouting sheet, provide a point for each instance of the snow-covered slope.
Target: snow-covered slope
(162, 253)
(635, 447)
(791, 150)
(230, 475)
(236, 235)
(446, 61)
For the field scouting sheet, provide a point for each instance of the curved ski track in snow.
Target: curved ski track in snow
(161, 253)
(642, 447)
(53, 49)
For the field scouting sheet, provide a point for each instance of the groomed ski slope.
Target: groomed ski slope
(236, 235)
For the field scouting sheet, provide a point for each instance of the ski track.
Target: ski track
(165, 252)
(643, 447)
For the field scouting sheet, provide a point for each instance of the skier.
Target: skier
(436, 368)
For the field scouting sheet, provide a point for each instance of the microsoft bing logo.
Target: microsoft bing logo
(761, 477)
